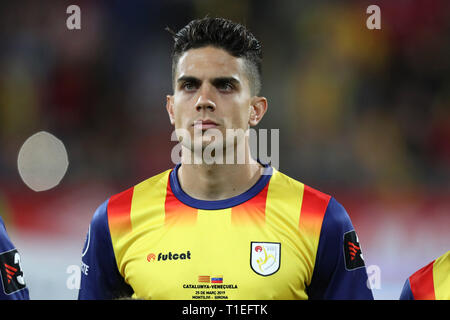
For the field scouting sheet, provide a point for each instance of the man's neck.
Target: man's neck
(218, 181)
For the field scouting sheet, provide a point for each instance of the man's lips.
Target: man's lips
(204, 124)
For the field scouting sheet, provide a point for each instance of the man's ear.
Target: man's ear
(169, 108)
(258, 109)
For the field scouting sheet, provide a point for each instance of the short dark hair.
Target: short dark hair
(225, 34)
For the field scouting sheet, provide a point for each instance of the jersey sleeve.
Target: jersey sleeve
(420, 285)
(100, 277)
(13, 281)
(339, 271)
(406, 293)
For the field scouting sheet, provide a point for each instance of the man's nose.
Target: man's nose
(205, 100)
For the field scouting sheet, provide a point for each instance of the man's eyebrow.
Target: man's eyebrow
(218, 79)
(188, 79)
(221, 80)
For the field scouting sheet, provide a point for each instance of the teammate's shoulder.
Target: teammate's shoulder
(444, 259)
(423, 273)
(5, 243)
(2, 227)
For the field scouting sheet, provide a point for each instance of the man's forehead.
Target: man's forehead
(209, 62)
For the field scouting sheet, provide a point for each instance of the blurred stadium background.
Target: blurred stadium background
(363, 115)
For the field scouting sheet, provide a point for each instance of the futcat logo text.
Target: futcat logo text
(169, 256)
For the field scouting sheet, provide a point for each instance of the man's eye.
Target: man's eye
(188, 86)
(226, 86)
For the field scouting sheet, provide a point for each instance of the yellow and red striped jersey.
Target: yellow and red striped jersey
(279, 240)
(431, 282)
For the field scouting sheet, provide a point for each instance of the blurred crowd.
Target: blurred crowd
(356, 108)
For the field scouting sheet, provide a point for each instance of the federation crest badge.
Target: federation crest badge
(265, 257)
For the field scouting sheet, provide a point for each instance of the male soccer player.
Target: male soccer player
(431, 282)
(13, 282)
(220, 231)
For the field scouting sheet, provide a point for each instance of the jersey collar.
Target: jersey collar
(218, 204)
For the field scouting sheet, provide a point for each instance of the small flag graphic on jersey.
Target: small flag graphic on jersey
(203, 279)
(217, 279)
